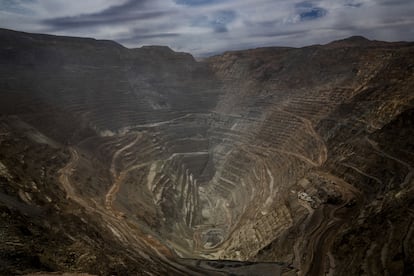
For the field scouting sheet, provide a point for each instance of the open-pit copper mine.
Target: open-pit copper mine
(271, 161)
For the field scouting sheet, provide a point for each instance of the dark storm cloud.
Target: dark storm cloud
(196, 2)
(85, 21)
(129, 11)
(353, 5)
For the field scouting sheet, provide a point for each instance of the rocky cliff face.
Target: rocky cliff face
(278, 160)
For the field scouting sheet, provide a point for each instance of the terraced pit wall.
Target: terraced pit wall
(275, 154)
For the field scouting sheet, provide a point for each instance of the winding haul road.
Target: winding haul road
(326, 227)
(126, 231)
(324, 222)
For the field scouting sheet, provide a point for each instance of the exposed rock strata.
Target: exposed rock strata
(124, 160)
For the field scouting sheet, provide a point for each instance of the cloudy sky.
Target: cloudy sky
(204, 27)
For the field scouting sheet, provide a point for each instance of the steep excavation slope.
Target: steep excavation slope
(277, 160)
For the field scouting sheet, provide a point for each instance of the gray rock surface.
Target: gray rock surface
(272, 160)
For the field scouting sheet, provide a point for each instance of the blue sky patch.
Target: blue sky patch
(313, 13)
(309, 11)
